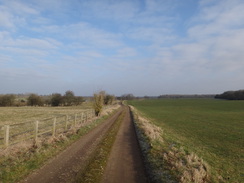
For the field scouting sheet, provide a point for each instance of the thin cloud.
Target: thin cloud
(146, 47)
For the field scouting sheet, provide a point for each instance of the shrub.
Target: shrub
(56, 99)
(69, 98)
(109, 99)
(98, 102)
(7, 100)
(35, 100)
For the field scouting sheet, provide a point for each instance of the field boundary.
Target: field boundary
(32, 130)
(165, 162)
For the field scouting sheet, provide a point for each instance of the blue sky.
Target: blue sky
(143, 47)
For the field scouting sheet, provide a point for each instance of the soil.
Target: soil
(124, 164)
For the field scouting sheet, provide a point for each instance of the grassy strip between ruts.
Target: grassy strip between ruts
(94, 169)
(16, 165)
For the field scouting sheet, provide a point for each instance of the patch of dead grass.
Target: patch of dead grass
(109, 109)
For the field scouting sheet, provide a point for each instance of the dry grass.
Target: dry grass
(167, 162)
(108, 109)
(152, 131)
(191, 168)
(13, 115)
(62, 135)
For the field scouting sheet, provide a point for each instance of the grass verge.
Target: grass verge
(165, 161)
(19, 162)
(93, 171)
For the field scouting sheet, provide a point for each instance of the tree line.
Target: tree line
(231, 95)
(56, 99)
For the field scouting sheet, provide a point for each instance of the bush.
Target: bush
(69, 98)
(78, 100)
(56, 99)
(7, 100)
(109, 99)
(35, 100)
(98, 102)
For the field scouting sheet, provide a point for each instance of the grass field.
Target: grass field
(213, 129)
(26, 116)
(12, 115)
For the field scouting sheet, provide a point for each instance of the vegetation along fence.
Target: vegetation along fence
(15, 133)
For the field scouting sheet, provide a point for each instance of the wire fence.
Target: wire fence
(15, 133)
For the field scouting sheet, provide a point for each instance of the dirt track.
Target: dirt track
(124, 164)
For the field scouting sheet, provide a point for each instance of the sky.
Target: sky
(141, 47)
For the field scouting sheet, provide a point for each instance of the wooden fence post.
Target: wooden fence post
(66, 122)
(54, 126)
(82, 117)
(6, 135)
(36, 130)
(75, 119)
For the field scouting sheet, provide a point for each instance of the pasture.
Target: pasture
(28, 122)
(213, 129)
(13, 115)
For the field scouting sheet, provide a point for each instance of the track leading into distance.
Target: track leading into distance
(124, 163)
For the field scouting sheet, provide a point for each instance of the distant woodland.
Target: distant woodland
(231, 95)
(55, 99)
(187, 96)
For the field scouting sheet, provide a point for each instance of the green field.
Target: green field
(213, 129)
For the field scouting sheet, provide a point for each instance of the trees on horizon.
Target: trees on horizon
(231, 95)
(55, 99)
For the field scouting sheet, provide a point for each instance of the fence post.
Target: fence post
(6, 135)
(36, 130)
(82, 117)
(66, 122)
(54, 126)
(75, 119)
